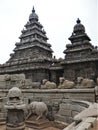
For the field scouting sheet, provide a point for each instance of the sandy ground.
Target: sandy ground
(2, 127)
(96, 126)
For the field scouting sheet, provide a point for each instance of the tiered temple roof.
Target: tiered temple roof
(81, 57)
(32, 51)
(33, 36)
(80, 49)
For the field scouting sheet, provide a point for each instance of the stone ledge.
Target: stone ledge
(92, 90)
(59, 90)
(91, 120)
(84, 125)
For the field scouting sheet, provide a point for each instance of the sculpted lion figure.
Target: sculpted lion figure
(47, 84)
(84, 83)
(38, 108)
(65, 84)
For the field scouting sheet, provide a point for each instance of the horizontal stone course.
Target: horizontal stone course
(65, 112)
(84, 126)
(56, 94)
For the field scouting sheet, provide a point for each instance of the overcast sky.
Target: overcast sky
(58, 18)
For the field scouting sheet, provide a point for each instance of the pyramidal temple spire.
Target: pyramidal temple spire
(33, 41)
(32, 54)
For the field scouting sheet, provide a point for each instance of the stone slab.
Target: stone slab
(84, 126)
(65, 112)
(91, 120)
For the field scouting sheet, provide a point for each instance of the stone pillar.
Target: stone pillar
(15, 110)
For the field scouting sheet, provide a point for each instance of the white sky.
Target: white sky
(58, 18)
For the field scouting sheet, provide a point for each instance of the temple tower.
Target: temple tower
(81, 57)
(32, 55)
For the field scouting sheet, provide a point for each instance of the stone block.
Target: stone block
(65, 106)
(91, 120)
(2, 78)
(69, 119)
(84, 126)
(74, 113)
(2, 84)
(70, 127)
(71, 106)
(2, 94)
(65, 112)
(96, 90)
(26, 100)
(77, 108)
(58, 117)
(4, 99)
(80, 96)
(1, 115)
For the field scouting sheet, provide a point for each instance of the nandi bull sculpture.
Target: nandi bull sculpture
(38, 108)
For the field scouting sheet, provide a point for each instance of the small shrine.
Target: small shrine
(15, 110)
(81, 57)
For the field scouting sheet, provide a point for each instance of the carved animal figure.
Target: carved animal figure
(48, 85)
(14, 77)
(84, 83)
(38, 108)
(65, 84)
(26, 83)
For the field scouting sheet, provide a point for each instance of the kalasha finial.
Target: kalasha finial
(78, 20)
(33, 10)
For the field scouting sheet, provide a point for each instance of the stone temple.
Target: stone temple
(33, 55)
(68, 87)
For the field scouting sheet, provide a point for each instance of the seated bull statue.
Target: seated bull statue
(65, 84)
(84, 83)
(48, 85)
(38, 108)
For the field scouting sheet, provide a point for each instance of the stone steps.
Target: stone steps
(38, 124)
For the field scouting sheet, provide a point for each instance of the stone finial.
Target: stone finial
(79, 28)
(33, 10)
(33, 15)
(78, 21)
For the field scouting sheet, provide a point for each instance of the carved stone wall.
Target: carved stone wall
(85, 69)
(37, 75)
